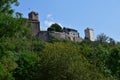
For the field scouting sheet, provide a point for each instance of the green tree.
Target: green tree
(26, 61)
(98, 55)
(10, 26)
(102, 38)
(55, 27)
(112, 42)
(63, 61)
(114, 62)
(19, 15)
(7, 65)
(5, 6)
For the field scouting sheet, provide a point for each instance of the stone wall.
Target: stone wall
(58, 35)
(45, 36)
(89, 34)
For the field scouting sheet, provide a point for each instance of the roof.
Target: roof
(33, 12)
(89, 28)
(69, 29)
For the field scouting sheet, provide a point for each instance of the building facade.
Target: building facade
(72, 33)
(89, 34)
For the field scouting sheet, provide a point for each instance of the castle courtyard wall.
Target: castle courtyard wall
(46, 35)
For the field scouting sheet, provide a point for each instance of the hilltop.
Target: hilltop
(24, 56)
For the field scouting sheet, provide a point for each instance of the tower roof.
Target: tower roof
(33, 16)
(33, 12)
(69, 29)
(89, 29)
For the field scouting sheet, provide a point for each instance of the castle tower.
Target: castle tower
(89, 34)
(33, 18)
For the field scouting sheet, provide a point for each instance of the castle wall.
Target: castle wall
(58, 35)
(43, 35)
(35, 27)
(46, 35)
(78, 39)
(65, 36)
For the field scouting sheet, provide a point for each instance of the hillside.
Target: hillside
(25, 57)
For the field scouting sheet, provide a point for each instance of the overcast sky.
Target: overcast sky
(101, 15)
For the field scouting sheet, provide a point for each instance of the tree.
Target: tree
(55, 27)
(5, 6)
(26, 64)
(102, 38)
(114, 62)
(19, 15)
(63, 61)
(111, 41)
(7, 65)
(98, 55)
(10, 26)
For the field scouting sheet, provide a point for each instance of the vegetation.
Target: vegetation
(25, 57)
(55, 27)
(5, 6)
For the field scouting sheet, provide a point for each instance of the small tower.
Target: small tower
(33, 19)
(89, 34)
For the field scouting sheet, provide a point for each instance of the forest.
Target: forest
(25, 57)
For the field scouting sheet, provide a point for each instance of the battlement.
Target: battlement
(33, 16)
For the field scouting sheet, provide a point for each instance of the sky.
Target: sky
(101, 15)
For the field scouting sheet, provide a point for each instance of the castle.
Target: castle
(67, 34)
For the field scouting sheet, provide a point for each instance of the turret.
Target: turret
(33, 19)
(89, 34)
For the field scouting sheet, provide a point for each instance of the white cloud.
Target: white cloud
(48, 23)
(60, 24)
(49, 20)
(49, 16)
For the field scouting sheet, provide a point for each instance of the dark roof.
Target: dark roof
(69, 29)
(33, 12)
(89, 28)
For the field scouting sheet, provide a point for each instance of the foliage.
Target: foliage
(112, 42)
(102, 38)
(7, 64)
(55, 27)
(25, 57)
(10, 26)
(114, 61)
(5, 6)
(64, 62)
(26, 61)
